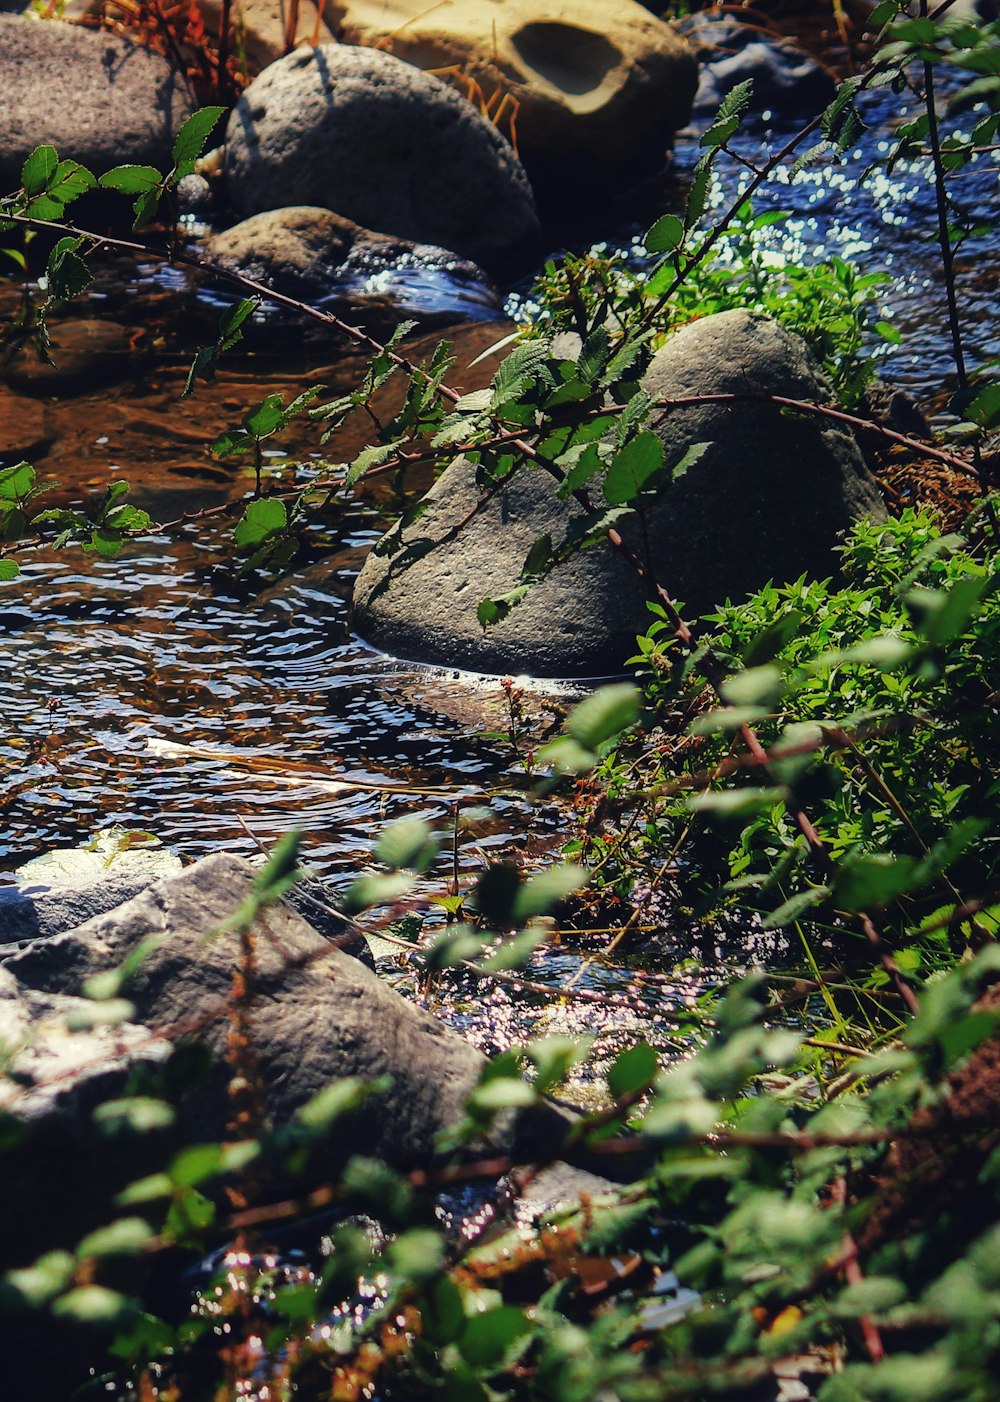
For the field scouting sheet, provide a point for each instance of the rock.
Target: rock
(262, 27)
(94, 96)
(596, 87)
(784, 78)
(87, 354)
(63, 889)
(58, 1076)
(319, 1014)
(383, 144)
(26, 433)
(305, 251)
(768, 500)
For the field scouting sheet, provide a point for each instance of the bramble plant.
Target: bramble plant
(813, 1196)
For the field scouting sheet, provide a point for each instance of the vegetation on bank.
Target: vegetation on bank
(814, 1195)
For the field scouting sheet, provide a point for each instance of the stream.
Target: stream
(163, 692)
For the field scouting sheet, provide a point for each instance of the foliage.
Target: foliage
(859, 688)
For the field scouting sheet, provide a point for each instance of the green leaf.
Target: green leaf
(736, 803)
(634, 1070)
(757, 686)
(692, 455)
(604, 715)
(889, 333)
(495, 1338)
(261, 519)
(107, 1014)
(43, 207)
(370, 891)
(594, 355)
(869, 881)
(70, 180)
(341, 1098)
(409, 843)
(417, 1254)
(190, 140)
(196, 1164)
(145, 207)
(491, 611)
(16, 482)
(139, 1113)
(985, 408)
(268, 415)
(795, 907)
(39, 1282)
(542, 893)
(93, 1304)
(68, 274)
(666, 235)
(632, 467)
(502, 1093)
(9, 569)
(944, 613)
(131, 180)
(126, 1237)
(39, 169)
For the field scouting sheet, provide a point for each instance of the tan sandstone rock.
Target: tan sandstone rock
(597, 81)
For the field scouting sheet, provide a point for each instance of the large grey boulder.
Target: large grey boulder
(317, 1014)
(94, 96)
(306, 252)
(769, 499)
(378, 141)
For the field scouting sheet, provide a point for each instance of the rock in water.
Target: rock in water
(769, 499)
(305, 251)
(318, 1015)
(96, 97)
(594, 89)
(380, 142)
(784, 78)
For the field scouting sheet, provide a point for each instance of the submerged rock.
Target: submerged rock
(26, 430)
(385, 145)
(784, 78)
(769, 499)
(96, 97)
(305, 251)
(85, 354)
(593, 88)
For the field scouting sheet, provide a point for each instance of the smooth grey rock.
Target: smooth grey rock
(96, 97)
(60, 890)
(305, 251)
(784, 78)
(384, 144)
(768, 500)
(317, 1015)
